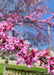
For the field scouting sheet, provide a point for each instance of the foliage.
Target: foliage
(6, 61)
(3, 57)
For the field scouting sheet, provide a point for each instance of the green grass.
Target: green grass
(22, 67)
(25, 67)
(1, 69)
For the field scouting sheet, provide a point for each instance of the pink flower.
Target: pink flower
(52, 71)
(29, 66)
(19, 60)
(47, 67)
(52, 62)
(2, 49)
(43, 20)
(41, 63)
(48, 59)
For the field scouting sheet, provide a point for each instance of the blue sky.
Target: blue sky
(51, 7)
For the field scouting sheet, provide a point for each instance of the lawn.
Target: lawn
(1, 69)
(21, 67)
(25, 67)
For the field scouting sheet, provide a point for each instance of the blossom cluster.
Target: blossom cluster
(21, 47)
(35, 56)
(11, 18)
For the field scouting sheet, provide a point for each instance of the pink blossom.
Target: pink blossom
(19, 60)
(29, 66)
(52, 71)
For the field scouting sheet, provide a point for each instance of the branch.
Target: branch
(43, 59)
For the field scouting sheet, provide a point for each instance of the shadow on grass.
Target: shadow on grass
(1, 73)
